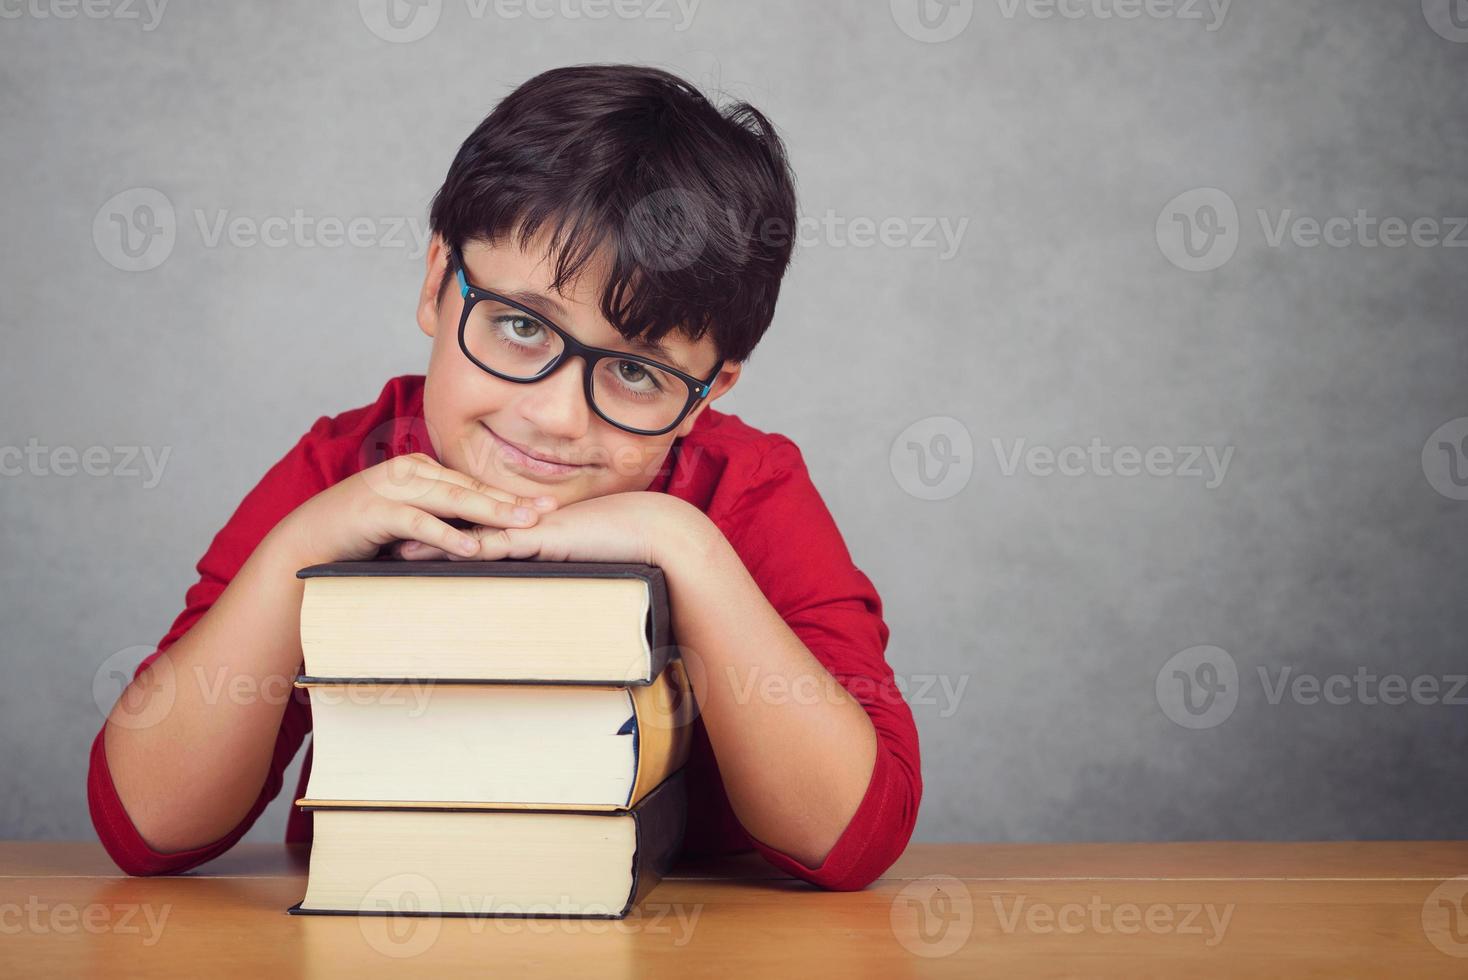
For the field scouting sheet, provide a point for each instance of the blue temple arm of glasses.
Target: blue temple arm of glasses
(463, 283)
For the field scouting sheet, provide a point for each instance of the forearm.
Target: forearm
(795, 750)
(189, 743)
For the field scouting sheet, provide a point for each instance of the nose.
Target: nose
(556, 404)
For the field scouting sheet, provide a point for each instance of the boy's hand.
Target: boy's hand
(403, 499)
(633, 526)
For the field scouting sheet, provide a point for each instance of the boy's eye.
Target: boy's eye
(637, 378)
(522, 327)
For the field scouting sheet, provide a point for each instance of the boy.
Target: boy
(607, 251)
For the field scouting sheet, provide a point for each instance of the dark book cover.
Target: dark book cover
(660, 819)
(659, 624)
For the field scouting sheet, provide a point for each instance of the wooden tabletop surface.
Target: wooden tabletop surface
(1208, 909)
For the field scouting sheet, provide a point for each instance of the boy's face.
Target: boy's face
(472, 415)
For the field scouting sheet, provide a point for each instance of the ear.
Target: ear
(428, 304)
(726, 379)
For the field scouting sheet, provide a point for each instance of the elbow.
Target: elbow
(862, 866)
(131, 865)
(866, 852)
(131, 851)
(123, 840)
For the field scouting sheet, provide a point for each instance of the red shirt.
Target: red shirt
(753, 485)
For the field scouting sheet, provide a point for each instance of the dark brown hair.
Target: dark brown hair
(683, 195)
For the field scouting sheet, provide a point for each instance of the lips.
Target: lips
(520, 457)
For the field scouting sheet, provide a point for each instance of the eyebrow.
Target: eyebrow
(536, 302)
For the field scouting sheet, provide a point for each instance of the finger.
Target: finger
(453, 500)
(513, 542)
(411, 524)
(438, 471)
(418, 551)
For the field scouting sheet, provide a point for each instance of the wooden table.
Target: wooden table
(1335, 909)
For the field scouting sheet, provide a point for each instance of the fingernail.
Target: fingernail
(468, 545)
(524, 514)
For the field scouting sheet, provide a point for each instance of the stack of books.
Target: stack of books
(491, 738)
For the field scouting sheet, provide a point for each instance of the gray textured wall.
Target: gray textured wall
(1106, 281)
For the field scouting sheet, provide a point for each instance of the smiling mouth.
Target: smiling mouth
(524, 460)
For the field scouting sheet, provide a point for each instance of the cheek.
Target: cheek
(453, 401)
(632, 463)
(457, 391)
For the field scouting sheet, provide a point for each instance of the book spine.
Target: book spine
(662, 819)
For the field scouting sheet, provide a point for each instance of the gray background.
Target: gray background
(1054, 600)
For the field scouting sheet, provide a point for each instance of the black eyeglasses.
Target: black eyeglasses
(514, 343)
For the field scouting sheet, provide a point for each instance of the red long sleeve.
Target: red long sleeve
(791, 546)
(752, 485)
(299, 475)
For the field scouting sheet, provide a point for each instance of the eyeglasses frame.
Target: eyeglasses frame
(698, 388)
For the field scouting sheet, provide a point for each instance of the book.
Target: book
(369, 860)
(491, 745)
(509, 621)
